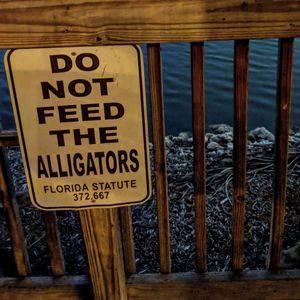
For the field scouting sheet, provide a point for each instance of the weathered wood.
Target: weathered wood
(239, 151)
(8, 138)
(198, 96)
(216, 286)
(158, 126)
(262, 284)
(54, 244)
(13, 218)
(127, 240)
(48, 288)
(284, 85)
(101, 232)
(51, 23)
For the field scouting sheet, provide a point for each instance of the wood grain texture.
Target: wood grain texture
(284, 85)
(250, 285)
(48, 288)
(198, 96)
(14, 222)
(127, 239)
(101, 232)
(160, 169)
(239, 151)
(54, 244)
(25, 23)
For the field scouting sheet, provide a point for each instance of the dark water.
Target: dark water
(218, 84)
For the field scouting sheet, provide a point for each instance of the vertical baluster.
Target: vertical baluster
(156, 92)
(13, 218)
(240, 150)
(127, 240)
(284, 85)
(198, 98)
(53, 238)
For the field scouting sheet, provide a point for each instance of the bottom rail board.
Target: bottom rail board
(181, 286)
(224, 285)
(67, 287)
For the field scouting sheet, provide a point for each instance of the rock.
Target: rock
(223, 138)
(291, 257)
(168, 140)
(227, 161)
(184, 135)
(230, 146)
(263, 142)
(220, 152)
(211, 155)
(261, 133)
(176, 139)
(220, 128)
(212, 146)
(294, 139)
(296, 130)
(208, 136)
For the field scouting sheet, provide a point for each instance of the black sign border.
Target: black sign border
(146, 152)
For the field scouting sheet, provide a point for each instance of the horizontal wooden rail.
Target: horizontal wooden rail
(8, 138)
(52, 23)
(35, 288)
(215, 286)
(224, 285)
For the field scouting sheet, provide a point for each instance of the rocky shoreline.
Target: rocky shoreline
(219, 147)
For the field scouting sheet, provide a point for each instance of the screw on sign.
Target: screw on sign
(86, 144)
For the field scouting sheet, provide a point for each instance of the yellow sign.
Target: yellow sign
(82, 125)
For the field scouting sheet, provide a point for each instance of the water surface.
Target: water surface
(218, 85)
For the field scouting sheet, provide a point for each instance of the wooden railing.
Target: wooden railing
(108, 232)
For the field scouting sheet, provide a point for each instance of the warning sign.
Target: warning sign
(81, 119)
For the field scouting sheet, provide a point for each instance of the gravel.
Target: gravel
(219, 149)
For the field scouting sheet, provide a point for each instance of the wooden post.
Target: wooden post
(101, 231)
